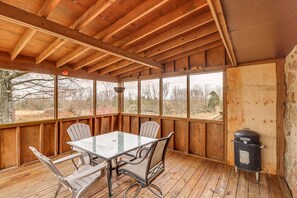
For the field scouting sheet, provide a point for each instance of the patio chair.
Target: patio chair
(145, 170)
(148, 129)
(79, 131)
(77, 182)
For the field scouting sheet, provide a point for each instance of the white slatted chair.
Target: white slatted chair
(147, 129)
(79, 131)
(77, 182)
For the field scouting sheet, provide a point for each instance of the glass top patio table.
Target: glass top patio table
(111, 145)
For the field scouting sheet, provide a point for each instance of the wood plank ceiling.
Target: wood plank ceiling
(110, 37)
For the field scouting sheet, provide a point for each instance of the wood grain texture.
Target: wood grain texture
(183, 176)
(251, 103)
(8, 146)
(29, 136)
(197, 138)
(215, 141)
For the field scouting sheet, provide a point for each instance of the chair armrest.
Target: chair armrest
(89, 171)
(67, 158)
(138, 162)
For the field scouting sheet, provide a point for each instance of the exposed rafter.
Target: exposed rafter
(217, 13)
(134, 15)
(45, 10)
(193, 51)
(99, 7)
(21, 17)
(182, 11)
(126, 69)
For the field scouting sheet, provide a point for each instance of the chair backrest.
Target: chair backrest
(79, 131)
(149, 129)
(49, 164)
(156, 157)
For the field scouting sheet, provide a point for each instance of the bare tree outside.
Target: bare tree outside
(75, 97)
(206, 96)
(150, 95)
(131, 97)
(25, 96)
(175, 96)
(107, 98)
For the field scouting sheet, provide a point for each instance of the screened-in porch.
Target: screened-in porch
(154, 98)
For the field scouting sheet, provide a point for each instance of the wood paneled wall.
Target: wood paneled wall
(252, 103)
(49, 137)
(206, 61)
(205, 139)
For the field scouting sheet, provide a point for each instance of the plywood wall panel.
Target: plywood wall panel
(197, 139)
(215, 57)
(115, 123)
(8, 145)
(181, 64)
(29, 136)
(126, 123)
(168, 127)
(251, 103)
(49, 139)
(215, 141)
(197, 60)
(64, 137)
(134, 125)
(181, 135)
(105, 125)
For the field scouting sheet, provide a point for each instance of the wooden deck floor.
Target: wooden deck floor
(185, 176)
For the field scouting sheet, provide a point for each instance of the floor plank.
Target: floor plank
(184, 176)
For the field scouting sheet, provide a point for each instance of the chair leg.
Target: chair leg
(157, 188)
(131, 186)
(58, 189)
(74, 164)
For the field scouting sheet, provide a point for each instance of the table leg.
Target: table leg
(109, 176)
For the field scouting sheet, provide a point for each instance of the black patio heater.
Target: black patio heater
(247, 151)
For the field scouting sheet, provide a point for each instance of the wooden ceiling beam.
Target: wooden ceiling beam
(134, 71)
(45, 11)
(27, 64)
(126, 69)
(106, 62)
(89, 60)
(186, 47)
(195, 22)
(99, 7)
(218, 15)
(134, 15)
(73, 54)
(181, 40)
(193, 51)
(115, 66)
(183, 28)
(137, 13)
(182, 11)
(21, 17)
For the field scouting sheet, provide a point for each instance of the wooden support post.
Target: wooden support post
(41, 131)
(56, 143)
(56, 97)
(94, 97)
(18, 146)
(161, 97)
(60, 138)
(139, 97)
